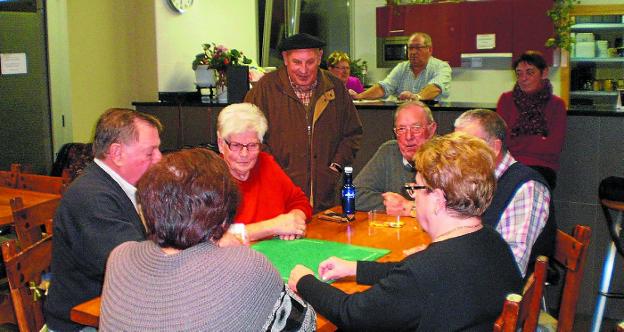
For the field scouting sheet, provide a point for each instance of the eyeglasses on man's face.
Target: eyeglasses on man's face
(416, 47)
(237, 147)
(403, 130)
(411, 188)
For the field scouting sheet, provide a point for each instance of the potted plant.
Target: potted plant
(213, 62)
(359, 70)
(562, 22)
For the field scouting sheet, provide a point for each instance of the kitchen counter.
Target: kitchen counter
(582, 110)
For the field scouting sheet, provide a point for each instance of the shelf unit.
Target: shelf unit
(583, 27)
(585, 70)
(574, 60)
(586, 93)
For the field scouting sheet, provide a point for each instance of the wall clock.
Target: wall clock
(180, 6)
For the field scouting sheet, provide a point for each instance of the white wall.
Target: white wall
(100, 57)
(179, 38)
(364, 36)
(60, 88)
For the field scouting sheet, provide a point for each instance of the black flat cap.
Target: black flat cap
(300, 41)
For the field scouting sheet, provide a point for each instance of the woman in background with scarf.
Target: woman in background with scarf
(536, 119)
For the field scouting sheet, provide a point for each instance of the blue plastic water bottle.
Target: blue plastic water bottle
(348, 194)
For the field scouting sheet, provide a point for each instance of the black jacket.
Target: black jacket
(94, 216)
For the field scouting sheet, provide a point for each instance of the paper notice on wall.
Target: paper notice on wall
(486, 41)
(13, 63)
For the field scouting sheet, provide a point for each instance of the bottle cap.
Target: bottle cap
(348, 169)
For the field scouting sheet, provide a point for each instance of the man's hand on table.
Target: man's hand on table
(408, 95)
(396, 205)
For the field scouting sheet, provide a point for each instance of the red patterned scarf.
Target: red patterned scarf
(531, 120)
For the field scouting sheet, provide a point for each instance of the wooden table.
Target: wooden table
(358, 232)
(28, 197)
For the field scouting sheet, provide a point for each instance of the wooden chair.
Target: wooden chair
(7, 315)
(28, 221)
(24, 271)
(43, 183)
(27, 225)
(9, 178)
(523, 311)
(571, 253)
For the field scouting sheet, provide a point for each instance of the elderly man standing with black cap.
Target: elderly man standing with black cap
(314, 129)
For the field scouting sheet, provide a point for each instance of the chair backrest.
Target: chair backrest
(523, 311)
(24, 270)
(28, 220)
(43, 183)
(571, 253)
(9, 178)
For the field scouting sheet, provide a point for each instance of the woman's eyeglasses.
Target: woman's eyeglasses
(411, 188)
(344, 68)
(237, 147)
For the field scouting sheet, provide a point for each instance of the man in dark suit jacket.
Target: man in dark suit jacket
(98, 211)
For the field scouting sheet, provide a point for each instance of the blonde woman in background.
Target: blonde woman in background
(339, 64)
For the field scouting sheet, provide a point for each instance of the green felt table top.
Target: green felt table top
(310, 252)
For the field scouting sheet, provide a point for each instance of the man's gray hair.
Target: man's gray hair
(418, 104)
(425, 36)
(239, 118)
(493, 125)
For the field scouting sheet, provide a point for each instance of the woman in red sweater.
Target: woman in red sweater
(536, 119)
(272, 205)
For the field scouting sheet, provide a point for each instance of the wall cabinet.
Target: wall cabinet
(531, 28)
(483, 18)
(442, 21)
(391, 21)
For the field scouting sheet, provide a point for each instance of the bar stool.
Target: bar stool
(611, 194)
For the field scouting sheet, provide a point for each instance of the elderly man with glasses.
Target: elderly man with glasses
(380, 183)
(422, 77)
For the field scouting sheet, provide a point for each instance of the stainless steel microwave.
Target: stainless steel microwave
(391, 51)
